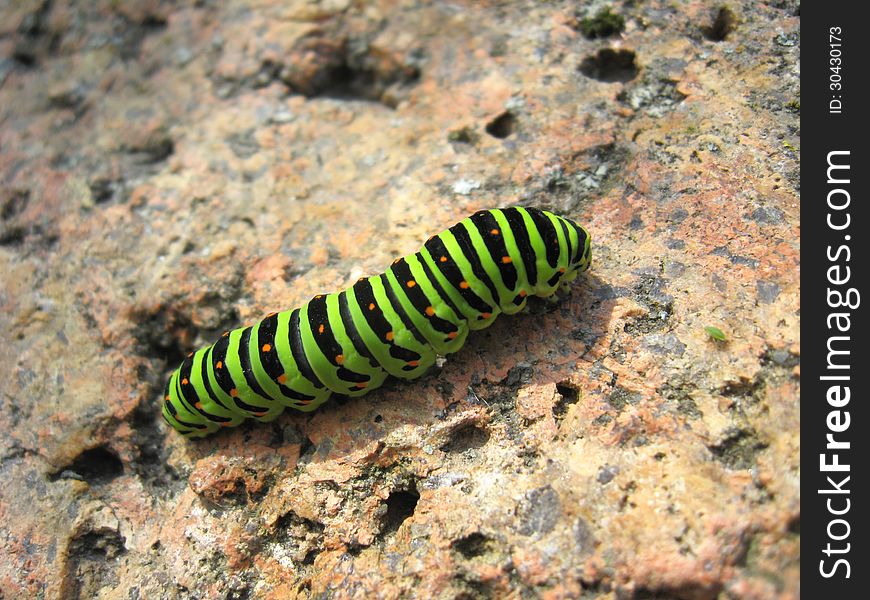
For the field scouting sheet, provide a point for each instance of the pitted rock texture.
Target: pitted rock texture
(170, 170)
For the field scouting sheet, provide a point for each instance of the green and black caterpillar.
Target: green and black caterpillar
(395, 323)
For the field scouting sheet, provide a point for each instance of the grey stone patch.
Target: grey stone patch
(666, 343)
(539, 511)
(607, 473)
(735, 258)
(743, 261)
(441, 480)
(244, 144)
(738, 449)
(782, 358)
(620, 397)
(583, 537)
(678, 215)
(464, 187)
(521, 373)
(767, 215)
(768, 291)
(787, 40)
(601, 166)
(609, 292)
(281, 115)
(674, 268)
(183, 56)
(678, 392)
(656, 97)
(6, 66)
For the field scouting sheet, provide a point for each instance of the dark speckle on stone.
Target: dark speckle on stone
(539, 511)
(743, 261)
(735, 258)
(243, 145)
(767, 215)
(783, 358)
(678, 215)
(608, 292)
(768, 291)
(664, 344)
(674, 269)
(607, 473)
(620, 397)
(654, 95)
(519, 373)
(787, 39)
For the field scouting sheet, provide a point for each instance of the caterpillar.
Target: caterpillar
(395, 323)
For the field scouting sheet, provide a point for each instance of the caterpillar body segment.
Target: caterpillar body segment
(392, 324)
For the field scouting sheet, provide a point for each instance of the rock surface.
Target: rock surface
(173, 169)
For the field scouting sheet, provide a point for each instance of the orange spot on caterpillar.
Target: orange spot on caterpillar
(189, 354)
(452, 335)
(318, 296)
(166, 398)
(486, 315)
(523, 293)
(267, 347)
(261, 414)
(389, 336)
(184, 381)
(226, 424)
(562, 270)
(411, 283)
(361, 385)
(340, 359)
(282, 378)
(321, 329)
(225, 334)
(413, 363)
(443, 259)
(220, 364)
(507, 260)
(234, 393)
(430, 311)
(372, 306)
(198, 405)
(271, 314)
(463, 285)
(494, 232)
